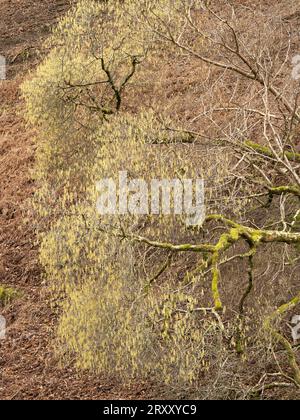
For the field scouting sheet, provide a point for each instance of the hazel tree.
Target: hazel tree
(149, 295)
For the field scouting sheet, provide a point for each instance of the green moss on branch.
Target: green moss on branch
(263, 150)
(281, 339)
(253, 237)
(289, 189)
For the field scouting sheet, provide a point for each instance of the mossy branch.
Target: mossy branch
(172, 247)
(288, 189)
(281, 339)
(253, 237)
(265, 151)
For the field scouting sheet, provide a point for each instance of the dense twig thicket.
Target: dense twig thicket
(199, 308)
